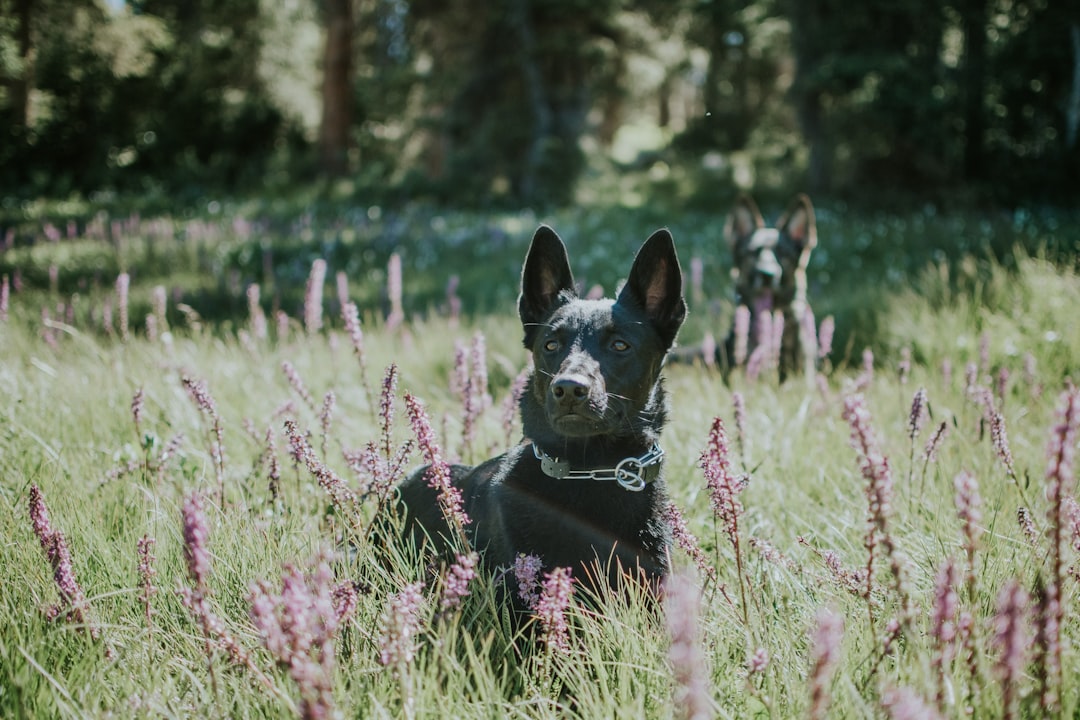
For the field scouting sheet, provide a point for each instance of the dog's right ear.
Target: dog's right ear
(744, 220)
(546, 280)
(799, 224)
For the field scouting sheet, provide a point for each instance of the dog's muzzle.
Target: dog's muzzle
(768, 272)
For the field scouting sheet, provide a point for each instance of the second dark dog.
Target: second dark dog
(585, 489)
(769, 270)
(770, 276)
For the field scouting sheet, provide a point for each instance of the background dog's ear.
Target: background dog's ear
(655, 285)
(744, 219)
(798, 223)
(545, 276)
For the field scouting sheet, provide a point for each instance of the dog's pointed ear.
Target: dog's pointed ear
(655, 285)
(744, 220)
(545, 278)
(798, 223)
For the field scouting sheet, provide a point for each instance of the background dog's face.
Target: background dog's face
(769, 262)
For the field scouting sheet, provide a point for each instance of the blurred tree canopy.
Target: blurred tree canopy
(515, 102)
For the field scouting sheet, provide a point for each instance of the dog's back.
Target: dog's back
(585, 490)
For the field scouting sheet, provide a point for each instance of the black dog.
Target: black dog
(769, 271)
(585, 489)
(770, 277)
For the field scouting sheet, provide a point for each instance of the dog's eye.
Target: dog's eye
(620, 345)
(551, 345)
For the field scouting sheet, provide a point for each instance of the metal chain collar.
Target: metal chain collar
(632, 473)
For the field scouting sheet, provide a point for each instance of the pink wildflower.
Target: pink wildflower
(438, 473)
(866, 377)
(723, 487)
(1027, 525)
(776, 340)
(758, 662)
(5, 295)
(513, 399)
(386, 408)
(932, 445)
(137, 412)
(297, 383)
(682, 608)
(1001, 384)
(1060, 475)
(204, 401)
(393, 292)
(342, 281)
(742, 335)
(1011, 637)
(326, 415)
(527, 574)
(123, 283)
(968, 504)
(905, 704)
(73, 600)
(879, 489)
(456, 581)
(708, 350)
(399, 627)
(453, 301)
(147, 573)
(159, 303)
(825, 336)
(338, 490)
(904, 367)
(256, 316)
(555, 594)
(943, 624)
(298, 626)
(739, 404)
(918, 415)
(1000, 440)
(824, 655)
(346, 600)
(697, 278)
(686, 540)
(313, 297)
(196, 536)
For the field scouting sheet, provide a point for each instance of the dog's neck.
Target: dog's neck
(632, 473)
(596, 451)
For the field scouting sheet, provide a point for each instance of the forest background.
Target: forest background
(540, 103)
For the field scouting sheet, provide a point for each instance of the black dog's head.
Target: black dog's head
(770, 263)
(597, 362)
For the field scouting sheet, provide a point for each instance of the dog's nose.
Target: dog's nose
(570, 388)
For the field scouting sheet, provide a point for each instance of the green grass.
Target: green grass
(67, 426)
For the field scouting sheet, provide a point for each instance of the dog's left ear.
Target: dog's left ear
(798, 223)
(655, 285)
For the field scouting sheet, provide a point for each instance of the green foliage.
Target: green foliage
(518, 104)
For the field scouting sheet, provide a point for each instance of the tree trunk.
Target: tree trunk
(536, 94)
(337, 89)
(809, 41)
(818, 167)
(1072, 108)
(20, 87)
(973, 22)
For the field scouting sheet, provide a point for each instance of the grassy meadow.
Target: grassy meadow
(896, 537)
